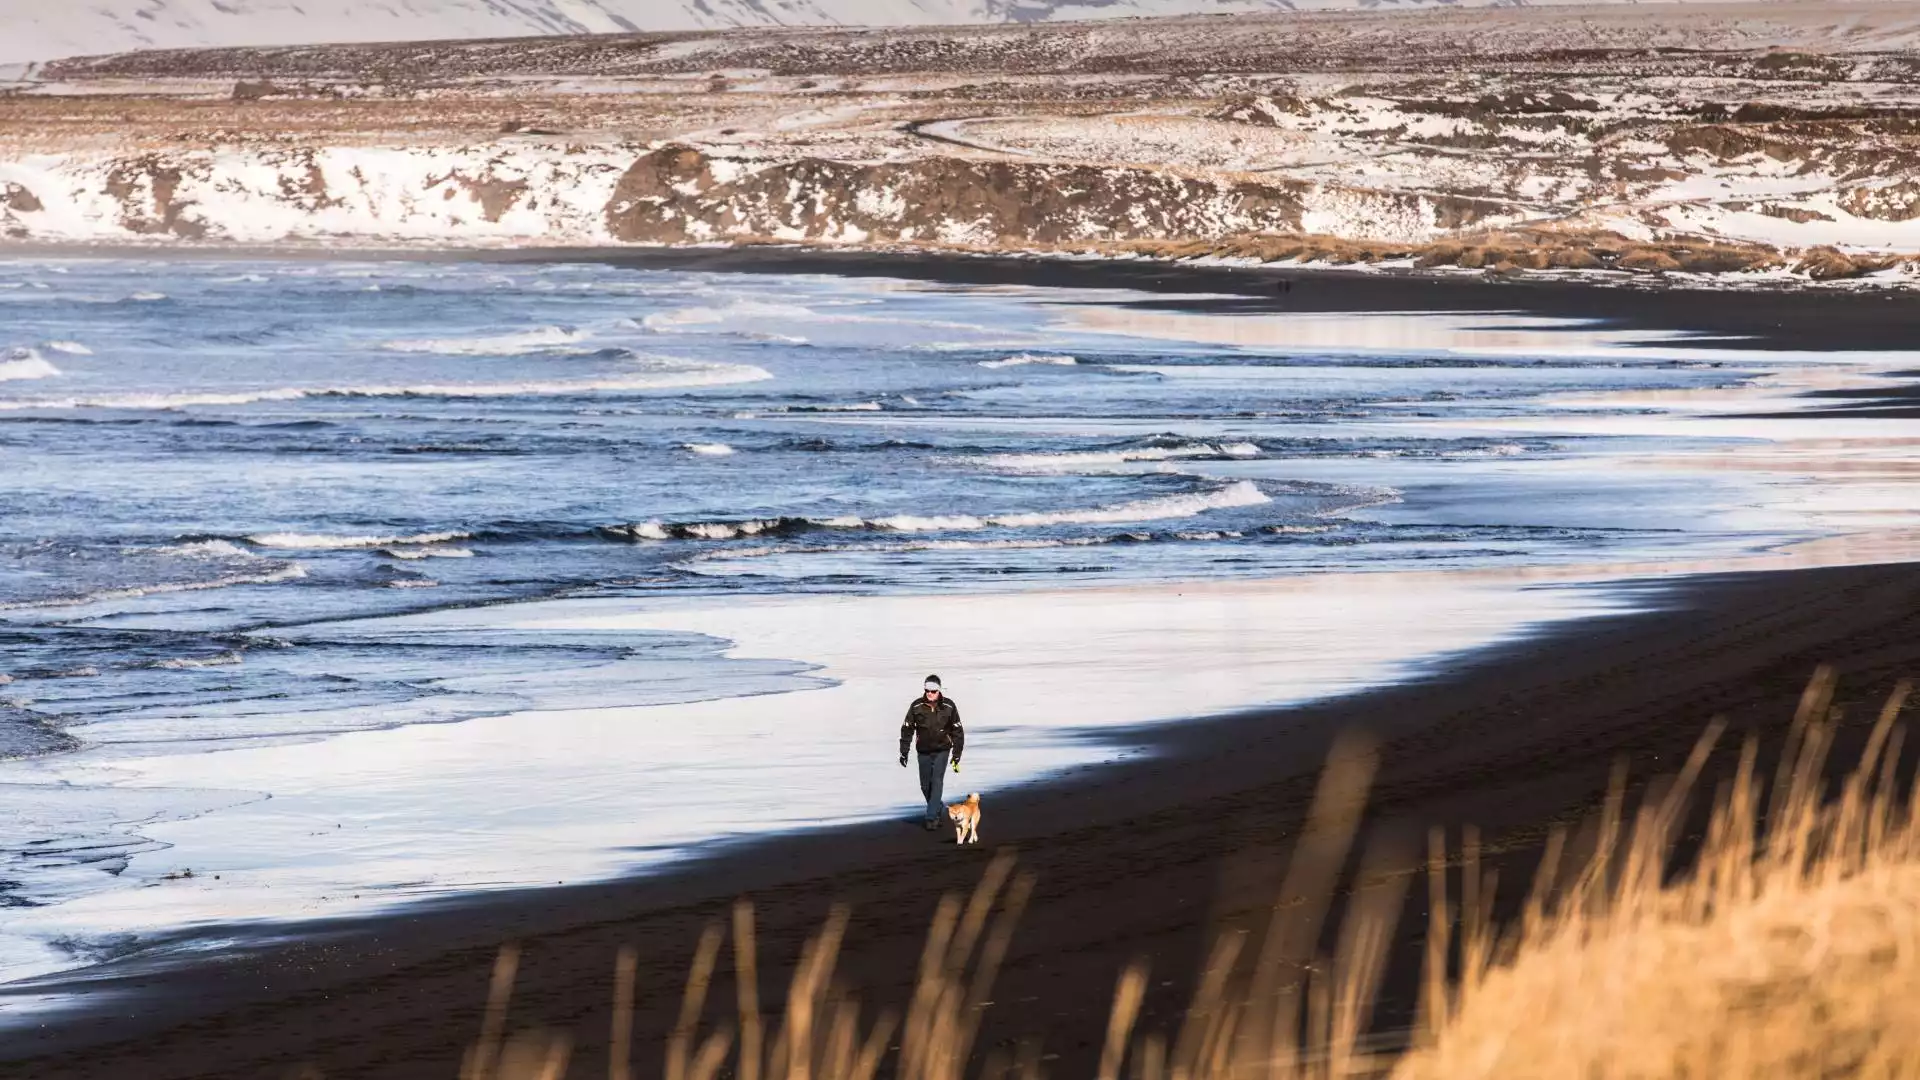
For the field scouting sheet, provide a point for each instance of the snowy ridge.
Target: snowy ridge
(31, 30)
(464, 195)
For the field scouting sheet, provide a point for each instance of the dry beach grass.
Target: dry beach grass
(1771, 931)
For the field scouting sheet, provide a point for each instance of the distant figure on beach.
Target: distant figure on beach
(933, 723)
(1284, 285)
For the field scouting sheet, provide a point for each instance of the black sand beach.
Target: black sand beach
(1141, 858)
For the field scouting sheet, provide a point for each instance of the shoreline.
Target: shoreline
(1800, 316)
(1512, 739)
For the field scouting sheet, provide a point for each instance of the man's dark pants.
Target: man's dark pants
(933, 770)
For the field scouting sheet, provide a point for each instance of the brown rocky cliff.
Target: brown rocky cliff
(676, 194)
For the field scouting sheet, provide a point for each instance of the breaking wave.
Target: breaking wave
(693, 319)
(1241, 493)
(71, 348)
(709, 449)
(427, 553)
(25, 364)
(209, 549)
(284, 573)
(659, 375)
(1071, 460)
(225, 659)
(858, 406)
(320, 541)
(1026, 359)
(526, 341)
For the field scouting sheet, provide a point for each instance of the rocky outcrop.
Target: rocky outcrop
(678, 194)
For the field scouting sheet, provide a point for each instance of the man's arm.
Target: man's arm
(906, 735)
(958, 733)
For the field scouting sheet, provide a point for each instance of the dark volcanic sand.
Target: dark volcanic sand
(1138, 858)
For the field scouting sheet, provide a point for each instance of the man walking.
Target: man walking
(933, 721)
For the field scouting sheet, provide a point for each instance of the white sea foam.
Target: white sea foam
(71, 348)
(284, 573)
(1071, 461)
(696, 319)
(525, 341)
(1238, 494)
(858, 406)
(412, 583)
(1026, 359)
(657, 375)
(321, 541)
(184, 663)
(427, 553)
(710, 449)
(25, 364)
(702, 530)
(148, 297)
(209, 549)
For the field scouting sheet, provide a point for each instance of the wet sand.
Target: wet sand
(1144, 857)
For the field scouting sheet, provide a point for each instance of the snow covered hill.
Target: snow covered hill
(43, 29)
(39, 30)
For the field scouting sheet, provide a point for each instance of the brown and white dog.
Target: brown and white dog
(966, 820)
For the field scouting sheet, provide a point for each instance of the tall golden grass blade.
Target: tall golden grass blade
(1360, 963)
(1205, 1012)
(1127, 994)
(867, 1063)
(1435, 998)
(746, 973)
(1151, 1062)
(1293, 932)
(481, 1058)
(692, 1002)
(712, 1054)
(995, 952)
(978, 907)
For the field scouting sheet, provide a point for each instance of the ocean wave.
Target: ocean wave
(709, 449)
(184, 663)
(209, 549)
(275, 577)
(660, 375)
(413, 583)
(1072, 460)
(525, 341)
(25, 364)
(693, 319)
(858, 406)
(713, 530)
(148, 297)
(1241, 493)
(907, 547)
(427, 553)
(325, 542)
(71, 348)
(1026, 359)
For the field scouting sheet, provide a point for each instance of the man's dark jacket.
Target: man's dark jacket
(935, 725)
